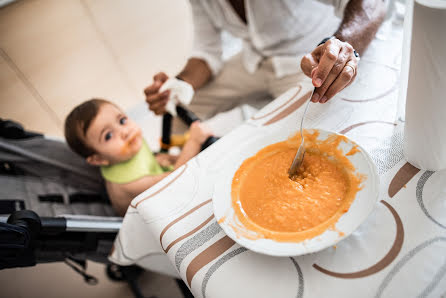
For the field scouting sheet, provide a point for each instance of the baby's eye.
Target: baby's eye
(108, 136)
(123, 120)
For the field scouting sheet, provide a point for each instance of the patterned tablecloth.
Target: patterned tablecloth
(399, 251)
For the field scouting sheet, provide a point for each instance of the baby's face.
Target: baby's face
(113, 136)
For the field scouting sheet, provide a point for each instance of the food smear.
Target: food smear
(129, 144)
(266, 201)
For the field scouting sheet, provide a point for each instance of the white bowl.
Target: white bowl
(360, 208)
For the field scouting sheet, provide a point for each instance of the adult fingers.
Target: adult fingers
(159, 108)
(344, 79)
(154, 98)
(328, 59)
(354, 65)
(309, 62)
(343, 57)
(158, 81)
(157, 102)
(161, 77)
(152, 89)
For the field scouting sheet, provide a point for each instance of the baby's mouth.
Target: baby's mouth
(130, 142)
(133, 138)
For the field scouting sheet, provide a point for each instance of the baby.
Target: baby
(100, 131)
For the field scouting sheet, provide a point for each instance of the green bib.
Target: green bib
(142, 164)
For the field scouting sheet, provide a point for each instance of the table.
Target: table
(399, 251)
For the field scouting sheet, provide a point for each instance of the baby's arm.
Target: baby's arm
(166, 160)
(121, 195)
(199, 133)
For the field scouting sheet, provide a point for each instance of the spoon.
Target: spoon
(298, 159)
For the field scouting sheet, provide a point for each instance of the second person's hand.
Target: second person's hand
(157, 101)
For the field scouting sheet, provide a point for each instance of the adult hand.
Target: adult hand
(332, 66)
(157, 101)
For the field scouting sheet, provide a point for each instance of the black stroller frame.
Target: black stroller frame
(27, 239)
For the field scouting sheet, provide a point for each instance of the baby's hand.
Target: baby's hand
(166, 160)
(199, 132)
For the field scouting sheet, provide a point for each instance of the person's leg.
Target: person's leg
(233, 86)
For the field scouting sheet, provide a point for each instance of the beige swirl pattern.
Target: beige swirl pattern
(207, 256)
(279, 107)
(161, 189)
(347, 129)
(401, 178)
(385, 261)
(288, 110)
(187, 234)
(386, 91)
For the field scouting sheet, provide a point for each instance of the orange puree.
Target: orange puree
(267, 201)
(126, 147)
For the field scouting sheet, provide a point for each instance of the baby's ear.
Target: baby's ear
(97, 160)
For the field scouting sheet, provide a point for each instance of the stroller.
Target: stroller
(54, 207)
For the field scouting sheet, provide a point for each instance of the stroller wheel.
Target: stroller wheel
(114, 272)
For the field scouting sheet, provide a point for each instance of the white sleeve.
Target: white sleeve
(339, 6)
(207, 43)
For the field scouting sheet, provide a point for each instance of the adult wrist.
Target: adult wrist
(326, 39)
(185, 79)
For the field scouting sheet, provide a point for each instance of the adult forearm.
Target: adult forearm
(361, 21)
(196, 72)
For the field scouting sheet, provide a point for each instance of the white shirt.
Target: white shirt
(284, 30)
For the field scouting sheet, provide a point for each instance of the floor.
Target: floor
(58, 280)
(55, 54)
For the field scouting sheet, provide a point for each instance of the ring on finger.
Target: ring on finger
(352, 67)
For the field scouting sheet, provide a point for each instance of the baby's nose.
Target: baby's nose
(125, 133)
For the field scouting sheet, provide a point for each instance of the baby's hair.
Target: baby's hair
(78, 122)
